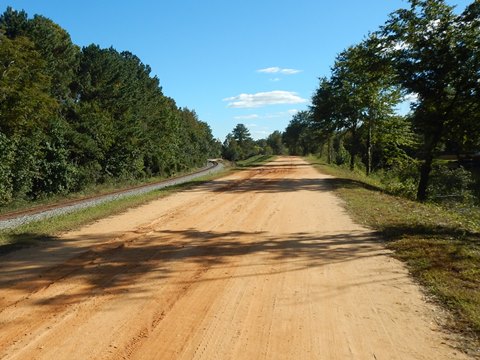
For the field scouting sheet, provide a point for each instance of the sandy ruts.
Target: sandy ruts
(262, 264)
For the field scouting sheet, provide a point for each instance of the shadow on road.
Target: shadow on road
(108, 265)
(112, 267)
(279, 185)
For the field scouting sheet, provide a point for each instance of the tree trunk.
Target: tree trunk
(353, 149)
(427, 165)
(329, 150)
(369, 150)
(424, 177)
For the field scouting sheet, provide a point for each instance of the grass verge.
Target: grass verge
(440, 246)
(254, 161)
(33, 233)
(91, 190)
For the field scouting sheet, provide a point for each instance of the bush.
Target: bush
(7, 157)
(450, 185)
(402, 179)
(341, 155)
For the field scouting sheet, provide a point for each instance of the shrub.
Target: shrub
(450, 185)
(7, 158)
(401, 179)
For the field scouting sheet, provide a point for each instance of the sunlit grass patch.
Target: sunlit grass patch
(440, 245)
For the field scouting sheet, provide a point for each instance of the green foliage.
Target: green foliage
(61, 55)
(275, 143)
(13, 23)
(56, 174)
(401, 179)
(450, 185)
(7, 158)
(425, 51)
(239, 144)
(394, 142)
(24, 86)
(231, 149)
(435, 56)
(241, 134)
(302, 135)
(72, 118)
(291, 136)
(341, 155)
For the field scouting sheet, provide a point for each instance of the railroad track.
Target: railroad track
(17, 218)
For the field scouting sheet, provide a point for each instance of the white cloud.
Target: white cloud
(275, 79)
(279, 70)
(290, 71)
(270, 70)
(264, 99)
(412, 97)
(280, 114)
(246, 117)
(260, 134)
(275, 115)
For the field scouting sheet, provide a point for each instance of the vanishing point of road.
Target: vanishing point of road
(260, 264)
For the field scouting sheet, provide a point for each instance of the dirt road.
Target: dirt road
(262, 264)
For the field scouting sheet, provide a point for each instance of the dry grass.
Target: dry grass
(440, 246)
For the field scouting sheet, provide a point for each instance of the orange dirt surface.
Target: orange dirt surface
(261, 264)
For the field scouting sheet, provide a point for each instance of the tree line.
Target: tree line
(71, 117)
(239, 144)
(425, 53)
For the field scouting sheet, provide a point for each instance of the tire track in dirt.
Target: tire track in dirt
(60, 271)
(262, 264)
(71, 312)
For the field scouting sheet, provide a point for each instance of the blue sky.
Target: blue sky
(251, 62)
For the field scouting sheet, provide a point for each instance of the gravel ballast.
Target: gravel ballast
(211, 168)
